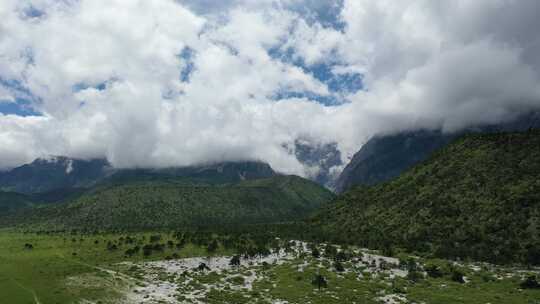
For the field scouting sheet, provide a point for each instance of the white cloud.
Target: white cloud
(5, 95)
(106, 75)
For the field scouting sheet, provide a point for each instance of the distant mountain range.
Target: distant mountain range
(57, 175)
(385, 157)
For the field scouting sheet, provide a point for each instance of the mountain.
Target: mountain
(54, 173)
(169, 204)
(385, 157)
(478, 197)
(58, 177)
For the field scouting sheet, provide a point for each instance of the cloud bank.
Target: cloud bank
(170, 83)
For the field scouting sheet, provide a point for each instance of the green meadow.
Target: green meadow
(74, 268)
(41, 274)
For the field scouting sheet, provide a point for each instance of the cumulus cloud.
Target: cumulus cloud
(173, 83)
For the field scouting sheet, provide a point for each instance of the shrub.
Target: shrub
(339, 267)
(319, 281)
(457, 276)
(433, 271)
(530, 283)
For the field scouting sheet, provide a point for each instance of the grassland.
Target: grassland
(73, 268)
(42, 274)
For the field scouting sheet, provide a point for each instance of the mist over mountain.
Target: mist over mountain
(181, 83)
(322, 162)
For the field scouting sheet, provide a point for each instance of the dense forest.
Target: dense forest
(478, 198)
(170, 204)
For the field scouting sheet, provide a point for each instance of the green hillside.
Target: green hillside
(152, 205)
(479, 197)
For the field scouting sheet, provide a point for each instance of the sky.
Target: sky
(159, 83)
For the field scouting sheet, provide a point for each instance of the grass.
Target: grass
(296, 287)
(44, 271)
(496, 292)
(52, 273)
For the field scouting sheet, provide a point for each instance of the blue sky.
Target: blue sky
(21, 99)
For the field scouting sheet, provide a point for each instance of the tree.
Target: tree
(319, 281)
(339, 267)
(457, 276)
(433, 271)
(342, 256)
(111, 246)
(147, 250)
(155, 238)
(235, 261)
(203, 267)
(213, 246)
(414, 275)
(315, 253)
(412, 267)
(387, 249)
(530, 283)
(330, 251)
(130, 252)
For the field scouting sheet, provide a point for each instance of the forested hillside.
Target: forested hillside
(11, 202)
(479, 197)
(149, 205)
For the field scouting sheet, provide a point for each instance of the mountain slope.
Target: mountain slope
(383, 158)
(147, 205)
(479, 197)
(11, 202)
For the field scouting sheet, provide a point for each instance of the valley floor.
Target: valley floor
(65, 268)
